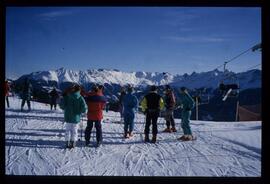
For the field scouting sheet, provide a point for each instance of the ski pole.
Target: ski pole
(81, 127)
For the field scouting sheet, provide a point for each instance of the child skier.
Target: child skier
(73, 105)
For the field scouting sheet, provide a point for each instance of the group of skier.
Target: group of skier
(152, 104)
(76, 101)
(25, 94)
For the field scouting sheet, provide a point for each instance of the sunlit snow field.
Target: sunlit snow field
(34, 145)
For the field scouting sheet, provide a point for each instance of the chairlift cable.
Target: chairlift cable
(243, 71)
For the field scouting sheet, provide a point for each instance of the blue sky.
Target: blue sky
(156, 39)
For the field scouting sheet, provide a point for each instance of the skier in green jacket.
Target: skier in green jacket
(187, 105)
(73, 105)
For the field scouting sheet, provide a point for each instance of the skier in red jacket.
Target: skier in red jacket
(95, 102)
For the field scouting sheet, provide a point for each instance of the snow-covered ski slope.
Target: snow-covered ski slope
(34, 144)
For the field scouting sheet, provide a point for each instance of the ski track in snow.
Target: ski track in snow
(35, 146)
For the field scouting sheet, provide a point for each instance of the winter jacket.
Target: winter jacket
(27, 91)
(96, 102)
(169, 100)
(73, 104)
(54, 95)
(122, 95)
(152, 101)
(7, 88)
(130, 103)
(187, 102)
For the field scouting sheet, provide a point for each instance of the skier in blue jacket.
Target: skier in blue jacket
(130, 103)
(187, 105)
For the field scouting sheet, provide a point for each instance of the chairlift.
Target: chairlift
(230, 88)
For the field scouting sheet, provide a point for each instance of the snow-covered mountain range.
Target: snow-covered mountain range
(211, 79)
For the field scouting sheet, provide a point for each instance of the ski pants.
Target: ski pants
(7, 101)
(128, 122)
(88, 130)
(185, 122)
(151, 118)
(169, 118)
(53, 103)
(28, 103)
(71, 132)
(121, 110)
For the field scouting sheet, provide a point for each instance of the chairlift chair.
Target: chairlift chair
(229, 89)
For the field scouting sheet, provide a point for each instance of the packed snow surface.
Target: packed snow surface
(34, 145)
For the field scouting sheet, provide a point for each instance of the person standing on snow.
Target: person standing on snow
(7, 89)
(169, 105)
(130, 103)
(26, 94)
(54, 95)
(121, 107)
(187, 105)
(151, 105)
(73, 105)
(95, 102)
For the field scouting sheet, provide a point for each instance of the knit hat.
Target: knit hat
(183, 88)
(94, 87)
(129, 88)
(77, 87)
(153, 88)
(167, 87)
(100, 86)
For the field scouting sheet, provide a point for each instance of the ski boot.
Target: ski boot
(173, 129)
(98, 143)
(146, 139)
(87, 143)
(130, 134)
(154, 139)
(67, 144)
(126, 135)
(167, 130)
(190, 138)
(182, 138)
(72, 144)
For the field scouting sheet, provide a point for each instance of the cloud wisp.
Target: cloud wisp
(195, 39)
(52, 15)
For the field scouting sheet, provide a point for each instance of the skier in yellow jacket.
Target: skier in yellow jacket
(151, 105)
